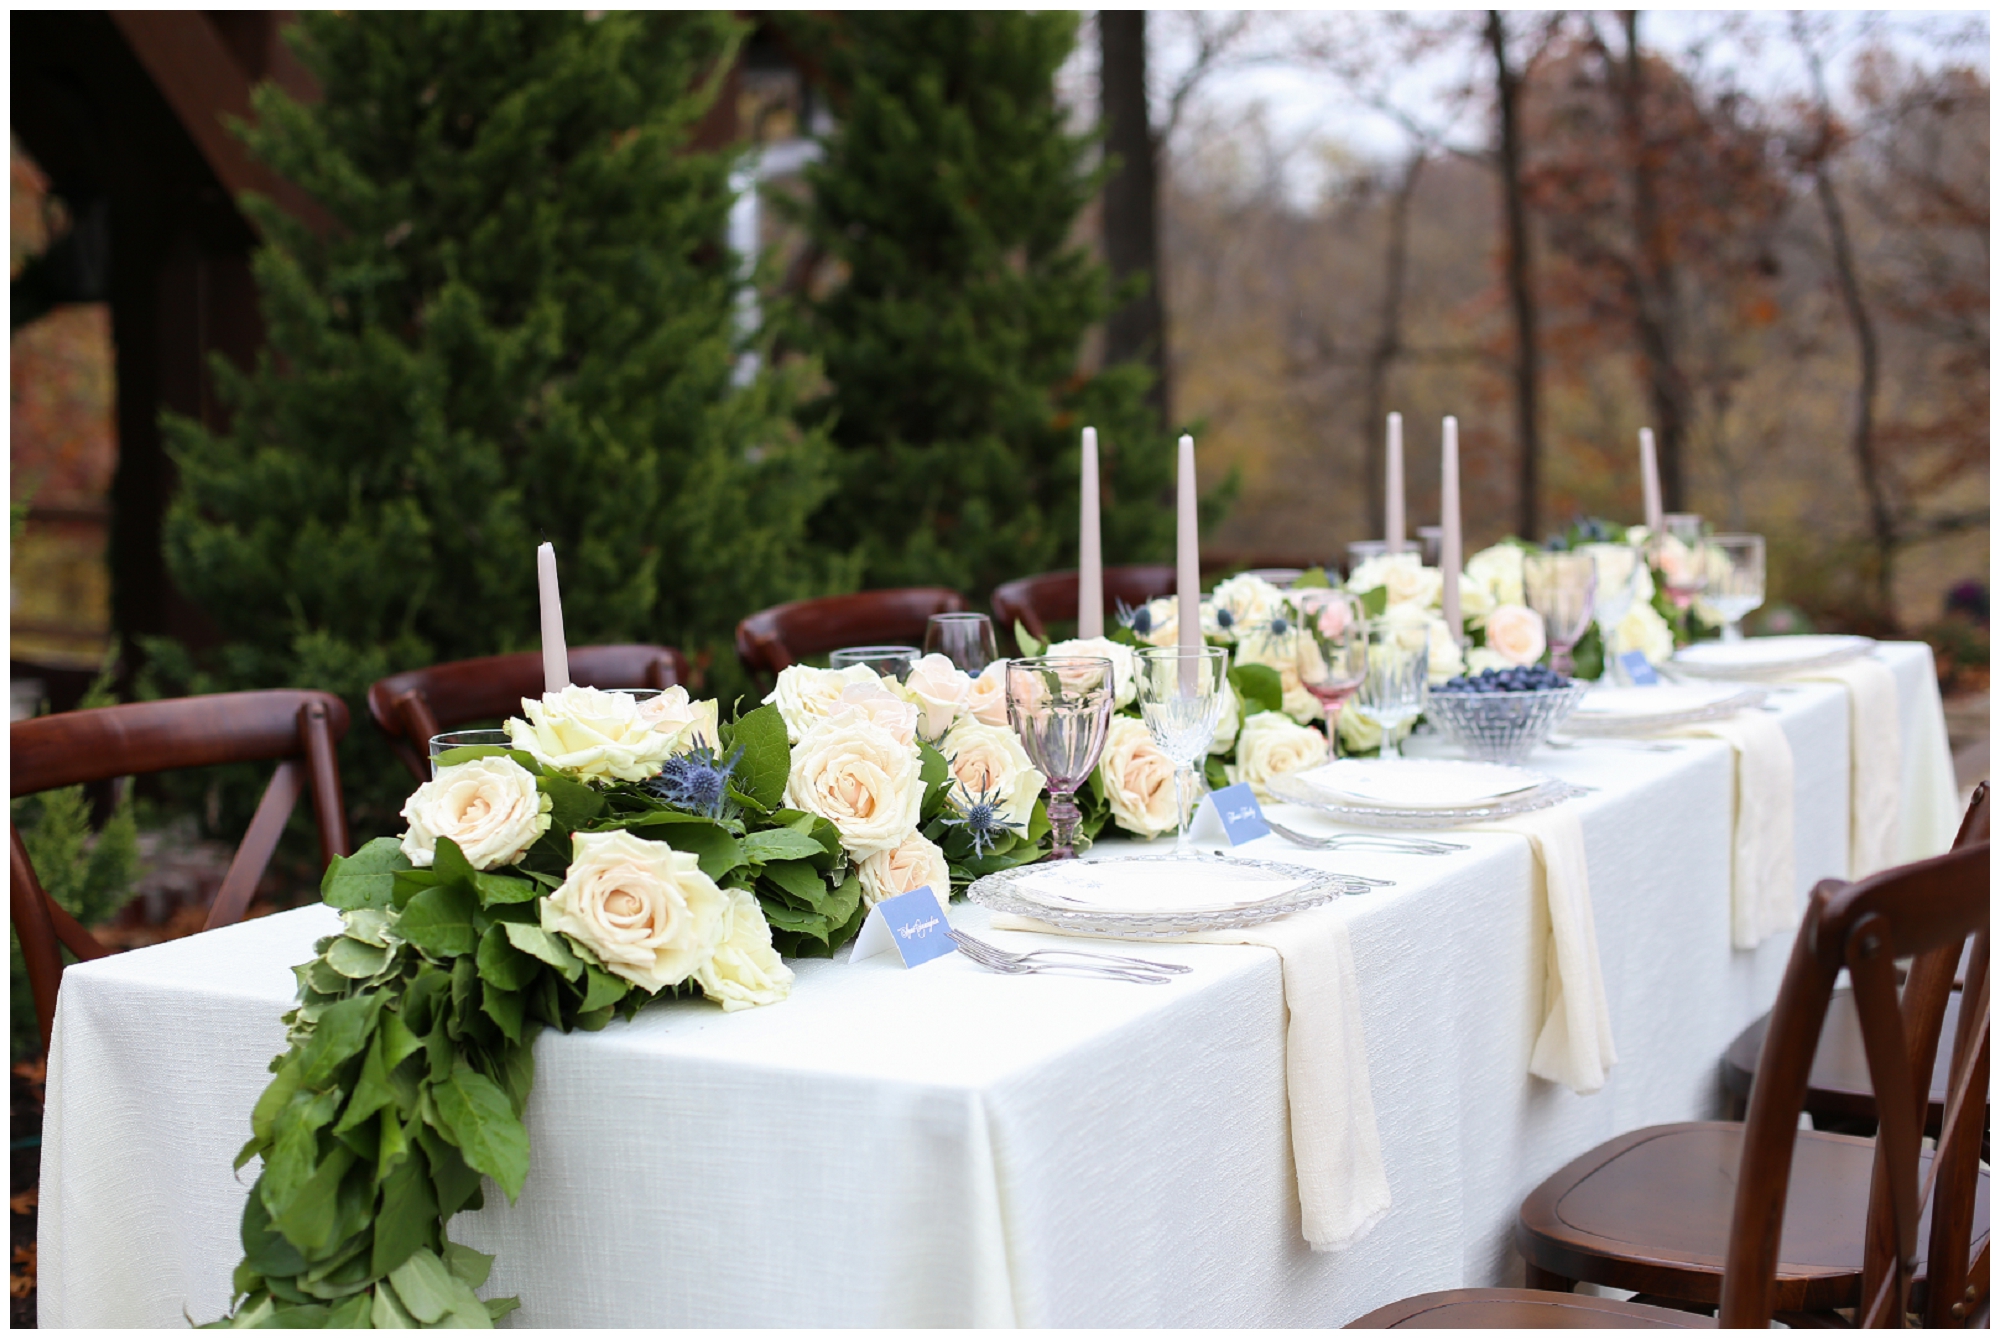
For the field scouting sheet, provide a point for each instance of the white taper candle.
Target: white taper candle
(555, 655)
(1089, 548)
(1392, 511)
(1649, 480)
(1187, 537)
(1451, 552)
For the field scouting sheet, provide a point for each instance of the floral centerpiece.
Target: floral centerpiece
(622, 850)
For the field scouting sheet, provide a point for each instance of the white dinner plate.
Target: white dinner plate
(1770, 657)
(1152, 886)
(1663, 700)
(1419, 783)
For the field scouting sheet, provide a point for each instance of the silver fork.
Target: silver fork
(1000, 959)
(1644, 746)
(1340, 841)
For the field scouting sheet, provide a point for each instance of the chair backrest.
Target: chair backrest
(413, 706)
(1976, 826)
(772, 639)
(1037, 601)
(296, 728)
(1926, 910)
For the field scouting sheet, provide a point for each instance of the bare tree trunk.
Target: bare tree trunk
(1520, 289)
(1388, 345)
(1653, 289)
(1135, 332)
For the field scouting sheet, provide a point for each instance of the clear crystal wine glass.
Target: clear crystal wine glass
(1676, 554)
(891, 662)
(965, 639)
(461, 739)
(1736, 580)
(1061, 707)
(1396, 678)
(1333, 651)
(1562, 588)
(1181, 697)
(1617, 567)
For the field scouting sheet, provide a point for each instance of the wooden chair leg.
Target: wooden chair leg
(1541, 1280)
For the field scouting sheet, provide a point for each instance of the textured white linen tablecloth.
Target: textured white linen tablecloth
(946, 1146)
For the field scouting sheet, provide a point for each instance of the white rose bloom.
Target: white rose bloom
(918, 863)
(1514, 632)
(1498, 571)
(941, 691)
(674, 713)
(1679, 564)
(1370, 573)
(989, 760)
(1138, 779)
(805, 696)
(745, 971)
(1240, 604)
(1478, 659)
(489, 807)
(893, 713)
(1447, 659)
(1272, 745)
(646, 910)
(593, 734)
(1158, 622)
(1124, 664)
(1359, 734)
(1228, 723)
(1298, 704)
(1642, 629)
(1414, 585)
(987, 699)
(1475, 602)
(860, 778)
(1618, 571)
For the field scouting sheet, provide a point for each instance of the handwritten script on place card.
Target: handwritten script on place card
(1235, 811)
(913, 924)
(1639, 669)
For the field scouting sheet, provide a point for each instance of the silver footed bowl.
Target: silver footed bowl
(1503, 727)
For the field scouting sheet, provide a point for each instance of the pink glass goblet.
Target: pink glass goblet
(1061, 707)
(1333, 651)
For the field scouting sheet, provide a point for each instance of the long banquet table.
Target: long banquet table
(946, 1146)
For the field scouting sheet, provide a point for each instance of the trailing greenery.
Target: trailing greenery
(519, 326)
(949, 194)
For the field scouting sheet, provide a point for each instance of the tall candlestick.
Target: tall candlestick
(1089, 548)
(1649, 480)
(1451, 553)
(555, 655)
(1393, 505)
(1188, 554)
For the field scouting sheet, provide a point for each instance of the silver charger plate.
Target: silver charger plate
(1715, 660)
(1550, 793)
(1585, 725)
(1313, 888)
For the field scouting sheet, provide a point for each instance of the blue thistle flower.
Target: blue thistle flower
(1224, 619)
(1139, 620)
(696, 781)
(981, 818)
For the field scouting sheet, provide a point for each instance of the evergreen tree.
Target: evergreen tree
(522, 327)
(949, 194)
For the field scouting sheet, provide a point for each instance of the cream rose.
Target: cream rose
(1239, 605)
(646, 910)
(1447, 658)
(673, 712)
(860, 778)
(1408, 581)
(1499, 571)
(1272, 744)
(593, 734)
(1514, 632)
(1642, 629)
(1138, 779)
(988, 760)
(1479, 659)
(489, 807)
(1228, 722)
(745, 971)
(1124, 663)
(987, 700)
(881, 707)
(917, 863)
(805, 696)
(1157, 622)
(941, 692)
(1358, 734)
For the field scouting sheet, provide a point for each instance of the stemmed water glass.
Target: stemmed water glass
(463, 739)
(891, 662)
(1333, 651)
(1181, 693)
(1676, 553)
(1736, 579)
(1562, 588)
(965, 639)
(1061, 707)
(1396, 677)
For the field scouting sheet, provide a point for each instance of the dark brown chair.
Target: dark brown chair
(783, 635)
(413, 706)
(1037, 601)
(1838, 1096)
(1763, 1218)
(296, 728)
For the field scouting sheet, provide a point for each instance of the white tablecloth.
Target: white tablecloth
(946, 1146)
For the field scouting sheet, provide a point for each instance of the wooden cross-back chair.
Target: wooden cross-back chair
(773, 639)
(1050, 597)
(296, 728)
(415, 705)
(1720, 1213)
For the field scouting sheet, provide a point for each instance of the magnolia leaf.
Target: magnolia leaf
(602, 990)
(482, 1123)
(398, 1042)
(717, 851)
(449, 863)
(323, 978)
(351, 1314)
(779, 844)
(499, 889)
(798, 922)
(1313, 578)
(550, 948)
(366, 878)
(371, 1090)
(766, 763)
(595, 1020)
(937, 778)
(356, 960)
(456, 1184)
(410, 882)
(370, 925)
(308, 1219)
(392, 1144)
(1375, 602)
(800, 879)
(425, 1287)
(500, 963)
(572, 802)
(264, 1250)
(497, 1307)
(409, 1211)
(341, 1032)
(1026, 640)
(439, 921)
(470, 1266)
(517, 1068)
(505, 1008)
(1258, 688)
(386, 1313)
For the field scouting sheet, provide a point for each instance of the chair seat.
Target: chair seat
(1523, 1309)
(1839, 1087)
(1649, 1212)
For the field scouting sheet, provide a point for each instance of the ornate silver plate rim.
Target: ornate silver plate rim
(996, 892)
(1550, 793)
(1615, 727)
(1777, 669)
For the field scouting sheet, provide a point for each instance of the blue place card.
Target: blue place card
(1639, 669)
(1234, 810)
(913, 924)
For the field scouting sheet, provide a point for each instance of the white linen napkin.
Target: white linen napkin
(1874, 763)
(1343, 1185)
(1763, 858)
(1574, 1047)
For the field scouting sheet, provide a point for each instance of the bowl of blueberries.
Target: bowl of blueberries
(1500, 715)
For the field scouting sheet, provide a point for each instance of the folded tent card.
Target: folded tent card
(1230, 815)
(913, 924)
